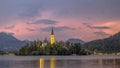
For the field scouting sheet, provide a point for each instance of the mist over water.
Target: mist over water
(59, 62)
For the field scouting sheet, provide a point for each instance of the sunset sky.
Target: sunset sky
(83, 19)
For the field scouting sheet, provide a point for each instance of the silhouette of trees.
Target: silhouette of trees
(58, 48)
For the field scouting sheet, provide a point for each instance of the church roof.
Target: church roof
(52, 32)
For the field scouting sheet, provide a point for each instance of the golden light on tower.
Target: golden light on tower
(52, 38)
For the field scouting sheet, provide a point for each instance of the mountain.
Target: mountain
(74, 40)
(110, 44)
(9, 43)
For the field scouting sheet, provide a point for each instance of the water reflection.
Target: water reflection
(59, 62)
(100, 62)
(52, 62)
(108, 62)
(92, 63)
(41, 63)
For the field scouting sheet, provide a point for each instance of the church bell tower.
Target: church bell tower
(52, 38)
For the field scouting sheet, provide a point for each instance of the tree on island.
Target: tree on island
(58, 48)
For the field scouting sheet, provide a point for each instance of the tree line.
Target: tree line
(58, 48)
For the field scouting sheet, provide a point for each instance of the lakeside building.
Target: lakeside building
(105, 53)
(8, 54)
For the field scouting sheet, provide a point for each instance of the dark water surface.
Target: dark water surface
(110, 61)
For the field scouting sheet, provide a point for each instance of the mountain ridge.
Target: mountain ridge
(75, 40)
(9, 43)
(110, 44)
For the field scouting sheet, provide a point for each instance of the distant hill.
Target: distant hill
(74, 40)
(9, 43)
(110, 44)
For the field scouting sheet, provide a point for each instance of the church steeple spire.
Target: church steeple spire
(52, 32)
(52, 38)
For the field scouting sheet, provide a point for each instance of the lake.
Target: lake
(107, 61)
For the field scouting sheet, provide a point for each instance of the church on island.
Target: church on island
(52, 39)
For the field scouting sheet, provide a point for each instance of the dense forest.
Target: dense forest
(111, 44)
(59, 48)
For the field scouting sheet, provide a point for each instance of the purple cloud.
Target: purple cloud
(29, 29)
(101, 33)
(10, 27)
(61, 28)
(95, 27)
(45, 21)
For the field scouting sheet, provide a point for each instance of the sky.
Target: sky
(83, 19)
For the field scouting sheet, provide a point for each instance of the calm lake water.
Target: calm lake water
(60, 61)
